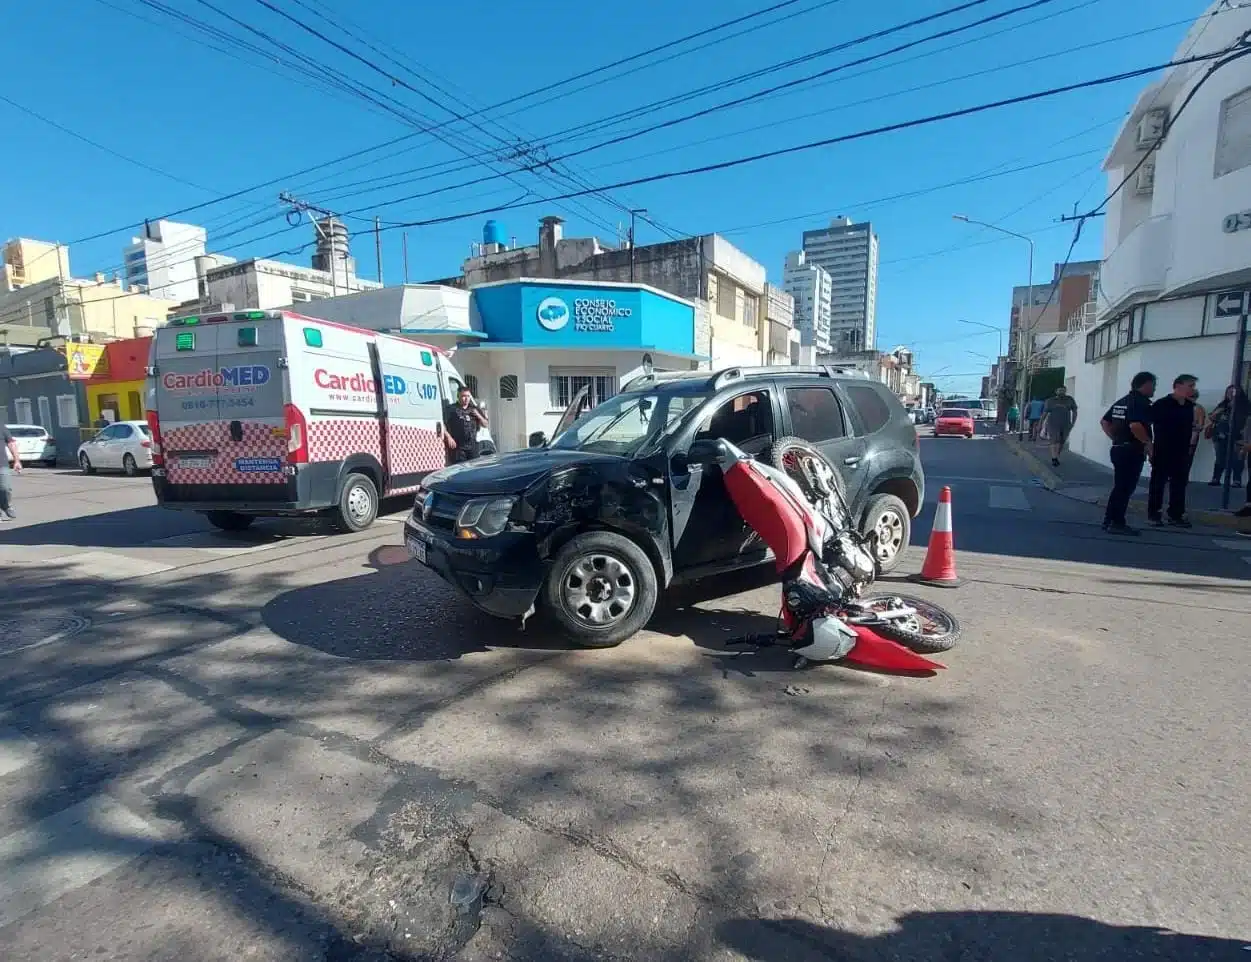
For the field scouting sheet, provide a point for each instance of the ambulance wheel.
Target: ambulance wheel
(229, 520)
(601, 589)
(358, 504)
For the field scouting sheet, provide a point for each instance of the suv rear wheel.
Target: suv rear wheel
(601, 589)
(888, 517)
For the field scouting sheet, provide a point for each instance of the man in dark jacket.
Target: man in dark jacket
(1173, 424)
(1128, 424)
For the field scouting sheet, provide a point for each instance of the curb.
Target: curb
(1053, 482)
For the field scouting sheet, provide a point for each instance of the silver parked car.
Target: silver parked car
(123, 446)
(34, 444)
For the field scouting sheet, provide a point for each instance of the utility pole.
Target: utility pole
(299, 208)
(634, 212)
(404, 244)
(378, 246)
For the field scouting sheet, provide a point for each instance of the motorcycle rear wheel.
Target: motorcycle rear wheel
(933, 629)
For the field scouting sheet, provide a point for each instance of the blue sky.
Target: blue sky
(135, 80)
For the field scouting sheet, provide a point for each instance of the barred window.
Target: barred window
(564, 383)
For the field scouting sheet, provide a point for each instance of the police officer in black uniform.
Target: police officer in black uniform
(1128, 424)
(461, 422)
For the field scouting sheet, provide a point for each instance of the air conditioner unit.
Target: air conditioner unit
(1144, 182)
(1151, 127)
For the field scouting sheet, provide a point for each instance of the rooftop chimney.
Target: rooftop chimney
(550, 233)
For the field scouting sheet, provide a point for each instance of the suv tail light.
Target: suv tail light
(297, 434)
(154, 426)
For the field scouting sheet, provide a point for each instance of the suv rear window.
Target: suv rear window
(872, 409)
(815, 413)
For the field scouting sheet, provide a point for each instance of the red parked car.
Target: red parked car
(956, 421)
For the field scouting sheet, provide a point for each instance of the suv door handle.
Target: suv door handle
(851, 462)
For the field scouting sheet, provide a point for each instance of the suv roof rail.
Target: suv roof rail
(657, 376)
(814, 370)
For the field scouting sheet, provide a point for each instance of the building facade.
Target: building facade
(849, 252)
(810, 285)
(1176, 237)
(41, 300)
(162, 261)
(779, 341)
(527, 346)
(264, 285)
(726, 287)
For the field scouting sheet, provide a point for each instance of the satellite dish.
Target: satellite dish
(648, 367)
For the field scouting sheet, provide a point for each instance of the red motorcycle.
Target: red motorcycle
(798, 508)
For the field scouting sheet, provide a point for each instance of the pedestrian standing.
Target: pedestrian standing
(1173, 426)
(1060, 413)
(1033, 417)
(1014, 417)
(1228, 417)
(9, 460)
(461, 422)
(1127, 423)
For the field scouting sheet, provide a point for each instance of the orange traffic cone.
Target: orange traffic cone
(939, 568)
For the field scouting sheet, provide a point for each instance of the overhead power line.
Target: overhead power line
(847, 138)
(99, 146)
(758, 94)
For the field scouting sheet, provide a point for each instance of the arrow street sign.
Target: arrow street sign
(1231, 303)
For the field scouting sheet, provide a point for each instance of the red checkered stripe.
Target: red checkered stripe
(334, 439)
(413, 449)
(259, 441)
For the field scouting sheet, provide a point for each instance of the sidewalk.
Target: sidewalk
(1084, 480)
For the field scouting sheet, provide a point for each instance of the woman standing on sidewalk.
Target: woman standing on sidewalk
(1228, 417)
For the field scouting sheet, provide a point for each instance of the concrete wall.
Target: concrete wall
(37, 374)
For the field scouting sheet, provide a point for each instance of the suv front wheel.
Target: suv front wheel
(888, 517)
(601, 589)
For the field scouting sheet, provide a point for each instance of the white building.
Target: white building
(162, 262)
(264, 285)
(848, 252)
(1176, 236)
(810, 285)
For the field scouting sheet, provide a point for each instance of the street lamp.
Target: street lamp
(1030, 282)
(985, 327)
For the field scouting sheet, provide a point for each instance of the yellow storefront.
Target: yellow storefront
(115, 391)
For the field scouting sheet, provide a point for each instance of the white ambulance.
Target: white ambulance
(265, 413)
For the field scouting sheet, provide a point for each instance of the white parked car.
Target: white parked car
(34, 444)
(122, 446)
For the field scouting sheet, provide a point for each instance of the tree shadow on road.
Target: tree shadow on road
(973, 936)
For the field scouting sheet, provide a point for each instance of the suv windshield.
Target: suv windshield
(627, 423)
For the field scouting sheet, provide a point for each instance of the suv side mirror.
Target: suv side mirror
(537, 440)
(705, 451)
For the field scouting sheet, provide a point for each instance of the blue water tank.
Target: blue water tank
(493, 233)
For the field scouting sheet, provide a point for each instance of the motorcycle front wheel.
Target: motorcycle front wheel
(810, 469)
(933, 629)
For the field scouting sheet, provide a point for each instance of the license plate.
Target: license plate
(195, 463)
(417, 549)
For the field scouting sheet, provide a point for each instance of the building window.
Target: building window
(45, 413)
(471, 382)
(564, 383)
(508, 387)
(1233, 134)
(67, 411)
(21, 411)
(727, 293)
(299, 297)
(49, 313)
(750, 316)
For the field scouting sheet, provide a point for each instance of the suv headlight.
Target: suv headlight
(484, 517)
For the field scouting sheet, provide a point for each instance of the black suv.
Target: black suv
(595, 523)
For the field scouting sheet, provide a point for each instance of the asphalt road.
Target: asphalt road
(292, 745)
